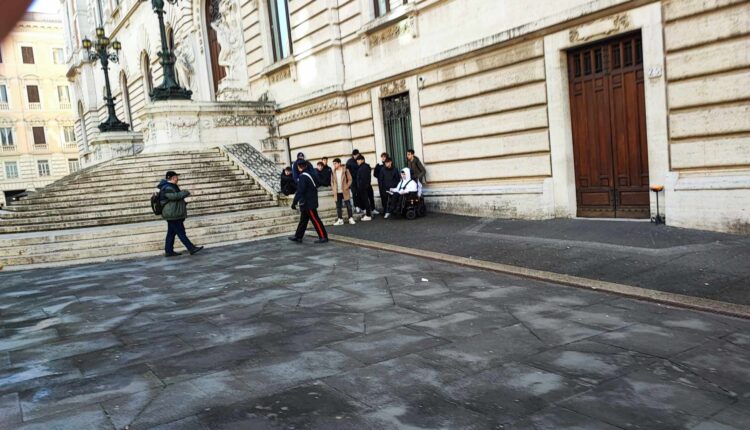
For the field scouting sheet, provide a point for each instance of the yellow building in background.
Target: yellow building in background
(37, 134)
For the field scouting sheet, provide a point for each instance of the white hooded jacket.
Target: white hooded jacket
(407, 185)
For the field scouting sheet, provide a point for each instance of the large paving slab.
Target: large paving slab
(690, 262)
(275, 335)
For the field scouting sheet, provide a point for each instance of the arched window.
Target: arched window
(126, 99)
(148, 80)
(82, 119)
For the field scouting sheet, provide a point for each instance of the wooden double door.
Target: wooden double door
(608, 116)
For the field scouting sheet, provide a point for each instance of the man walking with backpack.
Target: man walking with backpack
(307, 197)
(174, 211)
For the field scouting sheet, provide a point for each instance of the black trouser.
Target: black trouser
(371, 197)
(176, 228)
(394, 201)
(364, 199)
(384, 199)
(353, 192)
(340, 202)
(307, 215)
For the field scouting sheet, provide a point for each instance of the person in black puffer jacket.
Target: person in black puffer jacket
(288, 186)
(364, 187)
(389, 178)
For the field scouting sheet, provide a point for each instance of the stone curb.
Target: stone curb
(673, 299)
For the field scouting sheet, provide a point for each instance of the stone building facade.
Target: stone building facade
(37, 139)
(518, 109)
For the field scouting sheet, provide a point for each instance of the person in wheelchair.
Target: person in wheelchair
(406, 199)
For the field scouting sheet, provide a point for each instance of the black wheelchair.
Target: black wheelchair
(409, 206)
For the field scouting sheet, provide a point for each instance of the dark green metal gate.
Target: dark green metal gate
(397, 121)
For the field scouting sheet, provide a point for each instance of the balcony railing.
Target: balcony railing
(40, 147)
(9, 148)
(4, 106)
(65, 105)
(70, 145)
(35, 106)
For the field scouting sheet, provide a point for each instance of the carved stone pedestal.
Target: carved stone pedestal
(113, 144)
(177, 125)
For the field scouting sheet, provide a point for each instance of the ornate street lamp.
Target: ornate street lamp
(103, 53)
(169, 89)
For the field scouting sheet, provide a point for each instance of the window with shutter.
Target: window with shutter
(27, 54)
(32, 92)
(39, 137)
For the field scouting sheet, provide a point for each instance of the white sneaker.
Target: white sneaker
(374, 212)
(339, 221)
(357, 210)
(366, 218)
(387, 215)
(351, 221)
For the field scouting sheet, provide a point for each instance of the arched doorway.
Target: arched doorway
(212, 14)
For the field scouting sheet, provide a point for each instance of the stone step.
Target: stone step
(165, 162)
(138, 193)
(32, 218)
(238, 191)
(156, 171)
(144, 205)
(123, 240)
(143, 184)
(153, 225)
(152, 246)
(217, 171)
(55, 223)
(176, 155)
(122, 235)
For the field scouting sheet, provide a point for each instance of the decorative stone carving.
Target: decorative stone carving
(392, 88)
(600, 28)
(185, 57)
(407, 26)
(183, 127)
(228, 26)
(264, 170)
(280, 75)
(245, 120)
(314, 109)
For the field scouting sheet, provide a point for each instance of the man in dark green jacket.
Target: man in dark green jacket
(174, 211)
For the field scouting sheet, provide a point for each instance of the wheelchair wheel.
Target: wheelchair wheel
(421, 210)
(410, 214)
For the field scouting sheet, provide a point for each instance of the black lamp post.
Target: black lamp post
(102, 52)
(169, 89)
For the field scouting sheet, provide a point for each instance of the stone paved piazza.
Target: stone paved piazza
(275, 335)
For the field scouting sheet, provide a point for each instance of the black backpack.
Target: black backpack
(156, 205)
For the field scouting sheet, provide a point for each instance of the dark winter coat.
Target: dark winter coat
(389, 178)
(309, 169)
(418, 171)
(288, 187)
(352, 167)
(376, 172)
(363, 178)
(307, 192)
(174, 206)
(324, 176)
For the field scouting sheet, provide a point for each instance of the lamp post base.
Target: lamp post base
(117, 125)
(170, 93)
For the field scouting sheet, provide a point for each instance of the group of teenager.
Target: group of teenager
(351, 184)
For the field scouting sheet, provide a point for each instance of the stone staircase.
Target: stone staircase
(104, 212)
(118, 193)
